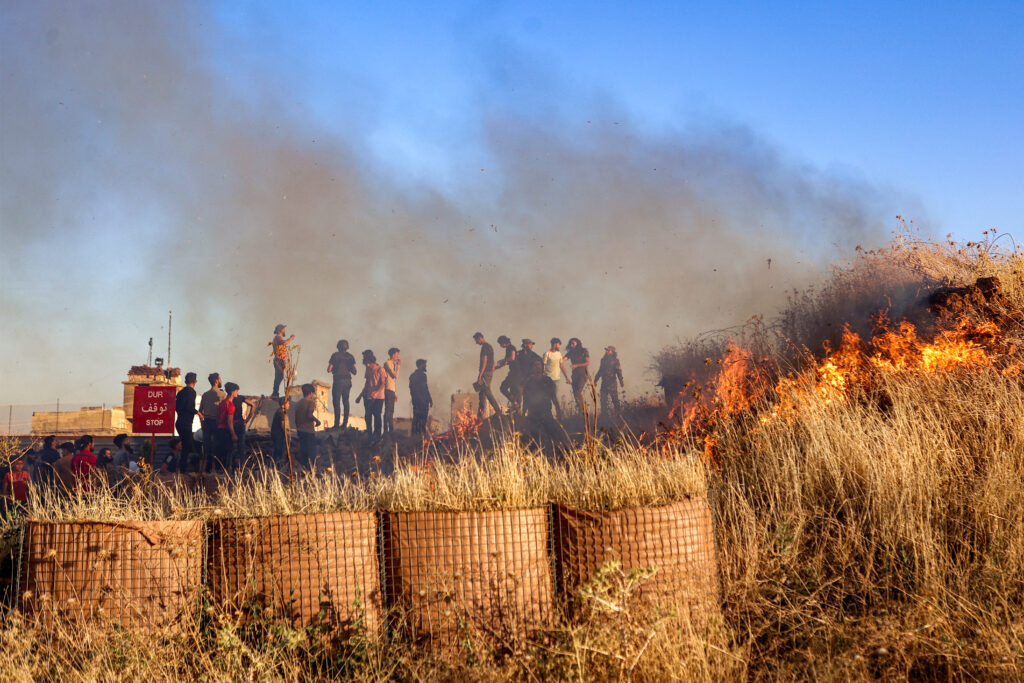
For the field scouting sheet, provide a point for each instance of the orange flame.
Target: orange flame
(742, 383)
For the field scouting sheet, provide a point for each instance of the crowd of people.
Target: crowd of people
(530, 387)
(75, 466)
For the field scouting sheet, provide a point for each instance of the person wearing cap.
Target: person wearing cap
(343, 366)
(484, 376)
(510, 384)
(420, 394)
(208, 414)
(554, 370)
(609, 374)
(185, 412)
(529, 368)
(280, 354)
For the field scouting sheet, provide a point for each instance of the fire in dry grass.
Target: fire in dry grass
(465, 425)
(744, 383)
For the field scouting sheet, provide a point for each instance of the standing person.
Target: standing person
(306, 423)
(280, 352)
(226, 437)
(83, 465)
(277, 434)
(554, 370)
(208, 413)
(64, 477)
(610, 376)
(392, 367)
(241, 417)
(17, 481)
(484, 376)
(579, 361)
(373, 392)
(185, 411)
(421, 401)
(509, 386)
(343, 366)
(528, 366)
(44, 462)
(122, 459)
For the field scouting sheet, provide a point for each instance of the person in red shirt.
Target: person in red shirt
(83, 465)
(373, 393)
(16, 483)
(226, 437)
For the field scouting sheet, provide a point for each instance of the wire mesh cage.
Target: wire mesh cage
(138, 574)
(676, 541)
(458, 575)
(307, 569)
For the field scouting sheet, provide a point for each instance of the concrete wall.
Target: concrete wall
(93, 420)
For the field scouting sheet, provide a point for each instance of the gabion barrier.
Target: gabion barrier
(307, 569)
(453, 575)
(446, 576)
(675, 540)
(127, 573)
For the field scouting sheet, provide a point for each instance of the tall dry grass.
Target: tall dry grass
(881, 537)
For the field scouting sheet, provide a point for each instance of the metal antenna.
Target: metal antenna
(170, 316)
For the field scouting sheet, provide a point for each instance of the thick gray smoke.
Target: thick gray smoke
(135, 179)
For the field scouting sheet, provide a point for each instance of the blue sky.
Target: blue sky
(926, 97)
(406, 173)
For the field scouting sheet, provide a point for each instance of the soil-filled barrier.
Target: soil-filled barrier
(308, 569)
(455, 575)
(142, 574)
(676, 540)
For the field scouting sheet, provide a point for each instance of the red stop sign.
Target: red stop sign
(153, 410)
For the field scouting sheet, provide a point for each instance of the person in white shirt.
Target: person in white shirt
(555, 370)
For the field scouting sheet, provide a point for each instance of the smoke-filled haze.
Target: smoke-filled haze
(154, 158)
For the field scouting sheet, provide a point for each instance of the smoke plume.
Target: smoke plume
(136, 177)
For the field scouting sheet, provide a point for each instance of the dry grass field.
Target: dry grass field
(866, 480)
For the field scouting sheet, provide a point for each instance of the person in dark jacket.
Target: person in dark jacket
(44, 462)
(509, 386)
(609, 374)
(343, 366)
(579, 360)
(185, 411)
(306, 423)
(529, 367)
(421, 401)
(277, 431)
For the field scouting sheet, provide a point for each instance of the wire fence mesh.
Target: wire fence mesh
(677, 541)
(306, 569)
(127, 573)
(442, 577)
(458, 575)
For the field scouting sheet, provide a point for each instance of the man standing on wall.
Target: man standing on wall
(280, 345)
(610, 376)
(579, 359)
(484, 377)
(421, 400)
(509, 386)
(343, 366)
(392, 368)
(554, 371)
(185, 412)
(306, 423)
(208, 414)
